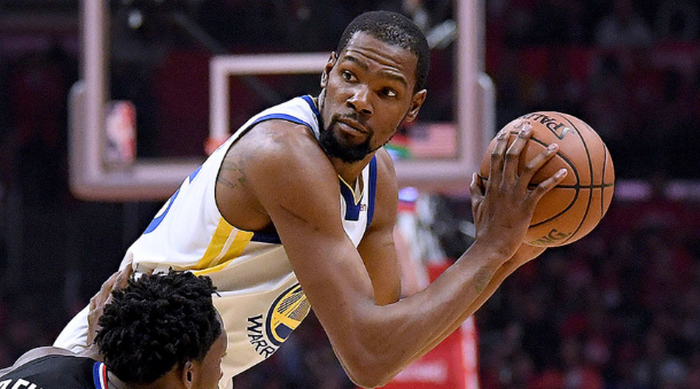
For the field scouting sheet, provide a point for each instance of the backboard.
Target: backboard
(93, 177)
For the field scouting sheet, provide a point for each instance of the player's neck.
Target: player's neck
(115, 383)
(350, 171)
(169, 380)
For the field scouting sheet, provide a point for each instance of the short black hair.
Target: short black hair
(394, 29)
(157, 322)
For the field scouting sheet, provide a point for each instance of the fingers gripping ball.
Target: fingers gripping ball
(574, 207)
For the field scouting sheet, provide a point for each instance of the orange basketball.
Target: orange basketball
(574, 207)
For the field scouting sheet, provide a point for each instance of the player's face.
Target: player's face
(211, 372)
(368, 92)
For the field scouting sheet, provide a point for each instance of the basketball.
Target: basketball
(573, 208)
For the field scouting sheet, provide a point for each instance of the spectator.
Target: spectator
(623, 27)
(677, 20)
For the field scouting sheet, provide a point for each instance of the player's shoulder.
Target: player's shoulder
(280, 156)
(57, 358)
(384, 162)
(280, 134)
(281, 143)
(387, 192)
(386, 172)
(40, 352)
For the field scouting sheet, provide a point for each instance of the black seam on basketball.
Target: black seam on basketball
(571, 204)
(577, 186)
(590, 167)
(568, 162)
(602, 190)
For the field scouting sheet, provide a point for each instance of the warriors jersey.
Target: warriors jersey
(57, 372)
(260, 299)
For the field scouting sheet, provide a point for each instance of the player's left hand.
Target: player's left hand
(117, 281)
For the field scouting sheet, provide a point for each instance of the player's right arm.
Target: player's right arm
(523, 255)
(297, 187)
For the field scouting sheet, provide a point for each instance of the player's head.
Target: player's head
(163, 326)
(394, 29)
(371, 84)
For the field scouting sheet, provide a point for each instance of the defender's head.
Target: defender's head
(163, 327)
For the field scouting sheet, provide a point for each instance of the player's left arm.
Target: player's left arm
(377, 248)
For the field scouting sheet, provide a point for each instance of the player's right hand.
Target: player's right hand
(503, 206)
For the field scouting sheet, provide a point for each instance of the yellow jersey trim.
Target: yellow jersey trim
(225, 245)
(356, 192)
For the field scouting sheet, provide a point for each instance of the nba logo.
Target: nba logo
(120, 133)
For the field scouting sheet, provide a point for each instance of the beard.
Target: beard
(335, 148)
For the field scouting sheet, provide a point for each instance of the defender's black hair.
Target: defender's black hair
(158, 322)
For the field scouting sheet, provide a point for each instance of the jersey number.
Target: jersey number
(164, 211)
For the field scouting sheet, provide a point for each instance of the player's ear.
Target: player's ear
(327, 70)
(187, 375)
(416, 102)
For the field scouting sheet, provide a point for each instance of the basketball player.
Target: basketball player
(160, 331)
(297, 209)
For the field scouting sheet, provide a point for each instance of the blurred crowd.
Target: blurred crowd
(630, 68)
(619, 309)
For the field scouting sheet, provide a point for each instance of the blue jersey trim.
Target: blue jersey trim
(310, 101)
(194, 173)
(352, 210)
(372, 189)
(96, 375)
(266, 237)
(281, 116)
(159, 219)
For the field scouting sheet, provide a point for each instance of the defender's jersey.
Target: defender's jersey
(57, 372)
(261, 301)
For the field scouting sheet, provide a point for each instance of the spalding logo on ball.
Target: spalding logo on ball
(573, 208)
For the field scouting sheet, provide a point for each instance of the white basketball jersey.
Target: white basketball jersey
(260, 300)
